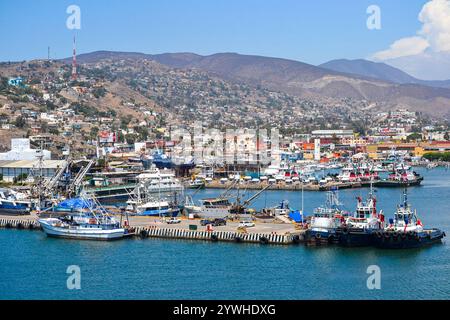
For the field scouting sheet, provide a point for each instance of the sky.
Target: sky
(311, 31)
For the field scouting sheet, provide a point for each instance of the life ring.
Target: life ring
(143, 234)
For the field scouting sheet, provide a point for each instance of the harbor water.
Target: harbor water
(33, 266)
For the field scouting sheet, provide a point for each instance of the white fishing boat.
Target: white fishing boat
(86, 222)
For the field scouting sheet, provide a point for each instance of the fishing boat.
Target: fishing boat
(406, 230)
(325, 221)
(197, 184)
(358, 229)
(87, 221)
(15, 203)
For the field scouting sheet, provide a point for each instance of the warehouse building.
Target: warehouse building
(10, 169)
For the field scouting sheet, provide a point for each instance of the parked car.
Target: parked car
(246, 224)
(219, 222)
(173, 221)
(205, 222)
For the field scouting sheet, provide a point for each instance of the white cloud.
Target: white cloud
(424, 55)
(425, 66)
(434, 36)
(435, 16)
(403, 47)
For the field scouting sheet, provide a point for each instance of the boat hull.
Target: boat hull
(353, 237)
(14, 211)
(83, 234)
(398, 184)
(392, 240)
(321, 237)
(158, 213)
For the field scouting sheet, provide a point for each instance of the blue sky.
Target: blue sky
(310, 31)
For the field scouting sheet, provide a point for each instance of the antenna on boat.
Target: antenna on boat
(405, 197)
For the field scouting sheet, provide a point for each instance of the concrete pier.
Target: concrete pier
(151, 227)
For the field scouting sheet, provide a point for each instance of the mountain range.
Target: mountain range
(337, 79)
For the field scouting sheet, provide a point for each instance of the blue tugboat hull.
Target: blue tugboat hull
(392, 240)
(320, 237)
(355, 237)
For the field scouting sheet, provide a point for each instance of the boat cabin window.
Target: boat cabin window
(362, 213)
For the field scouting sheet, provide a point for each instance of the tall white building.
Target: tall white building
(21, 150)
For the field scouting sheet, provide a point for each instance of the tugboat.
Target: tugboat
(357, 231)
(406, 230)
(326, 220)
(401, 176)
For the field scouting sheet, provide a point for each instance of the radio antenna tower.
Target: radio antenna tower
(74, 61)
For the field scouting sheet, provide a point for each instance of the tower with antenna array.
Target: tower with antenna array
(74, 61)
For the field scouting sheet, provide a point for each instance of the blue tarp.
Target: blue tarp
(296, 216)
(75, 203)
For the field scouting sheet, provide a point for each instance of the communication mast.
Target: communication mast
(74, 61)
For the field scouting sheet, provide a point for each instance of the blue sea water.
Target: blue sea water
(33, 266)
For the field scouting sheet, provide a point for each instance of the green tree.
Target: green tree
(20, 122)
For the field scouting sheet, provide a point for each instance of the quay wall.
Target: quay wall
(173, 233)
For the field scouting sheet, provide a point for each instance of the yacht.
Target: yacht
(153, 208)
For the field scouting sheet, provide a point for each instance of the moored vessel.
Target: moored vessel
(406, 230)
(85, 222)
(358, 230)
(325, 221)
